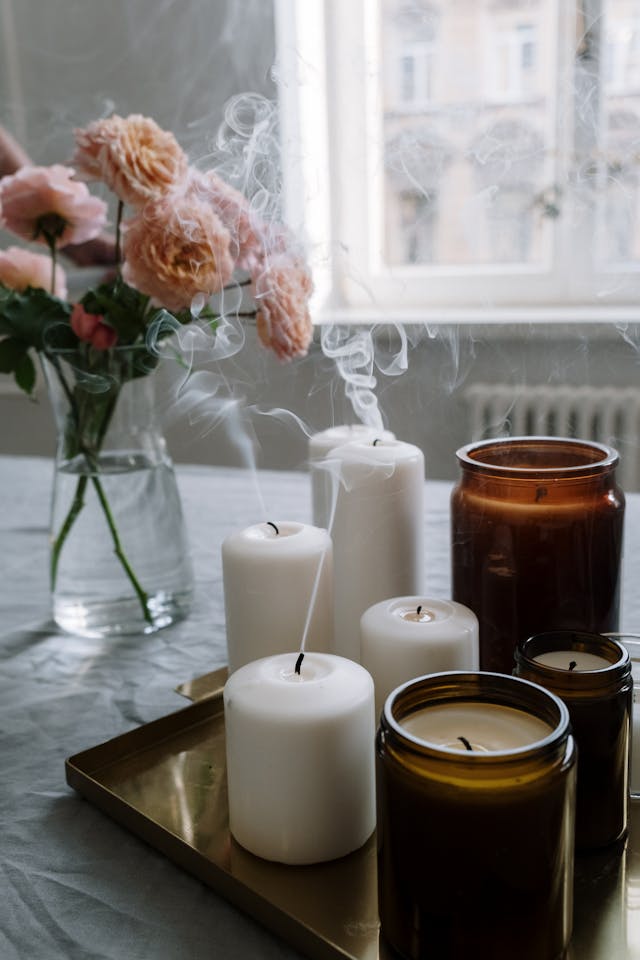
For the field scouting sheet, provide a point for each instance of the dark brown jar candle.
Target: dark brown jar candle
(476, 796)
(536, 540)
(592, 675)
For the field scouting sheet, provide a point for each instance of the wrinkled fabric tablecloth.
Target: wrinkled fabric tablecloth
(74, 883)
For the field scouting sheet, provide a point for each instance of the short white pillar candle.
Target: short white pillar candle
(407, 637)
(320, 446)
(300, 757)
(278, 590)
(377, 531)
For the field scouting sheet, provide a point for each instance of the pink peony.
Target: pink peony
(175, 248)
(91, 328)
(281, 293)
(20, 269)
(246, 228)
(135, 157)
(46, 198)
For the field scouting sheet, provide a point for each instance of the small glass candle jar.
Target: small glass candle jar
(476, 794)
(536, 527)
(592, 675)
(631, 643)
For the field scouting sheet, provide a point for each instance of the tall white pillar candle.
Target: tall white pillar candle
(320, 446)
(377, 531)
(407, 637)
(300, 757)
(277, 577)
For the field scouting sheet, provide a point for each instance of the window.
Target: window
(482, 155)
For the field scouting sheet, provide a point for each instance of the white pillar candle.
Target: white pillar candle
(300, 757)
(581, 660)
(406, 637)
(472, 727)
(377, 531)
(278, 577)
(320, 446)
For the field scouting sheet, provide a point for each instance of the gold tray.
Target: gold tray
(165, 781)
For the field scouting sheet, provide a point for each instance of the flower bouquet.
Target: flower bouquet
(119, 561)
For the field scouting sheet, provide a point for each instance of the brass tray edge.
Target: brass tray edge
(272, 917)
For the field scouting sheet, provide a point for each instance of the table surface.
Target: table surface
(76, 885)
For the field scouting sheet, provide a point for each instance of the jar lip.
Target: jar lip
(593, 456)
(483, 687)
(580, 641)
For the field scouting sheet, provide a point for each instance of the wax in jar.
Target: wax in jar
(476, 727)
(598, 694)
(475, 847)
(563, 660)
(536, 540)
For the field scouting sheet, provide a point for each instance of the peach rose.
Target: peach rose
(37, 199)
(245, 227)
(281, 293)
(135, 157)
(175, 248)
(91, 328)
(20, 269)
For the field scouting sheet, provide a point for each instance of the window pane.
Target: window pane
(469, 156)
(618, 154)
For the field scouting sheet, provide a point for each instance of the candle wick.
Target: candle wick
(467, 745)
(419, 609)
(573, 665)
(299, 663)
(271, 524)
(377, 440)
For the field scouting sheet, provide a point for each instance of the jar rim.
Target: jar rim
(483, 687)
(501, 455)
(617, 669)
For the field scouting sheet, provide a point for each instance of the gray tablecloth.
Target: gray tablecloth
(74, 884)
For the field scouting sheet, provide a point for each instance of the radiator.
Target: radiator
(608, 414)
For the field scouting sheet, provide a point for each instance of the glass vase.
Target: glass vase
(119, 554)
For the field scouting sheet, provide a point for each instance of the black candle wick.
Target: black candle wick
(299, 663)
(377, 440)
(573, 665)
(271, 524)
(467, 745)
(419, 609)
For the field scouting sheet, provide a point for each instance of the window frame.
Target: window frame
(320, 44)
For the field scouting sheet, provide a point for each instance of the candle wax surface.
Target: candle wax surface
(561, 659)
(487, 727)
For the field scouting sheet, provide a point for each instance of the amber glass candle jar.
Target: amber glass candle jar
(536, 540)
(592, 675)
(476, 795)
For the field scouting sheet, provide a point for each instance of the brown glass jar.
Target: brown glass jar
(475, 849)
(598, 693)
(536, 540)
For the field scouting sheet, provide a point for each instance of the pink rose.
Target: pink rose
(175, 248)
(135, 157)
(39, 199)
(20, 269)
(246, 228)
(281, 293)
(91, 328)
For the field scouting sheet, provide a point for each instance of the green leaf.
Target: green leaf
(30, 315)
(25, 373)
(11, 352)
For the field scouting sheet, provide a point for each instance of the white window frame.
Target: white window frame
(331, 121)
